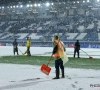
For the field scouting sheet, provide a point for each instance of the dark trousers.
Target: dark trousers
(59, 63)
(76, 51)
(15, 50)
(28, 51)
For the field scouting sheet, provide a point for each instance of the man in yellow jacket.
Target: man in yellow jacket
(58, 53)
(28, 44)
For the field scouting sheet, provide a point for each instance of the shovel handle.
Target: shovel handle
(84, 51)
(20, 50)
(49, 60)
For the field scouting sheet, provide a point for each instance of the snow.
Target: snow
(23, 77)
(8, 50)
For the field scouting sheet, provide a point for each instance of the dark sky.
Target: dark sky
(6, 2)
(2, 2)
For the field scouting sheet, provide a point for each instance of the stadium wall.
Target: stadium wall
(49, 44)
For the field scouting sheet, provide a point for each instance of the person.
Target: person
(28, 44)
(15, 47)
(58, 52)
(77, 48)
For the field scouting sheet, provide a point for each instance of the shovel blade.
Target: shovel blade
(45, 69)
(91, 57)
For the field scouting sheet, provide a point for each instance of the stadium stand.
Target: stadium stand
(70, 24)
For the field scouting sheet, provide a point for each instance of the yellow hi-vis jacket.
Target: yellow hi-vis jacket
(28, 42)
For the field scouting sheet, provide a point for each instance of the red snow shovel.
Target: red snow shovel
(45, 69)
(90, 57)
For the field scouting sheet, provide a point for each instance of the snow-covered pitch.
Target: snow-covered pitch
(46, 51)
(24, 77)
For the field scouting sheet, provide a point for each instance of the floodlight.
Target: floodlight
(83, 1)
(21, 6)
(52, 3)
(31, 5)
(13, 6)
(39, 5)
(98, 0)
(10, 6)
(2, 7)
(28, 5)
(35, 5)
(17, 6)
(88, 1)
(47, 4)
(77, 1)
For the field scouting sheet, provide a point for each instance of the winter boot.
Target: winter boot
(17, 53)
(57, 75)
(63, 76)
(28, 53)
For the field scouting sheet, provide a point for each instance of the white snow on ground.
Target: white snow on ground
(8, 50)
(23, 77)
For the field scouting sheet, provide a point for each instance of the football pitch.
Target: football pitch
(84, 63)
